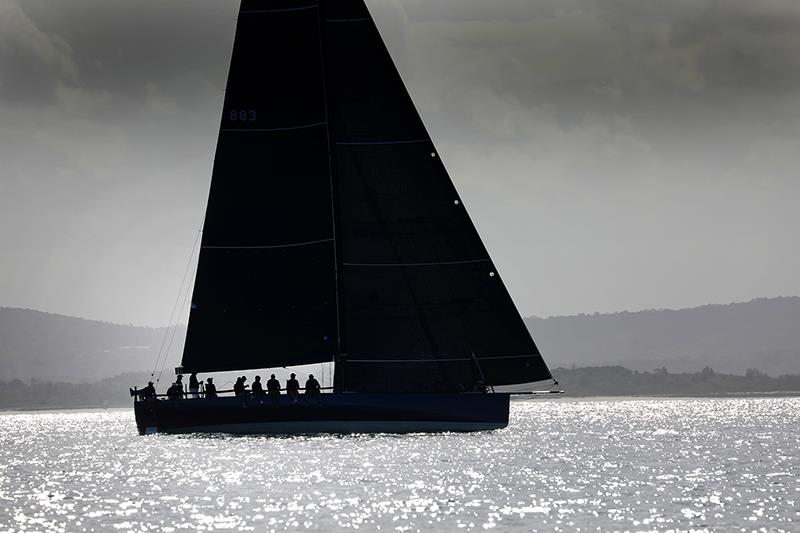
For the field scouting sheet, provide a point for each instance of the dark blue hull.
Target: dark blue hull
(328, 413)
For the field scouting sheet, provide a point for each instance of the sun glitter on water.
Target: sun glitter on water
(648, 465)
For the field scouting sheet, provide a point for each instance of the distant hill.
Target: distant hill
(619, 381)
(109, 392)
(588, 381)
(762, 334)
(50, 347)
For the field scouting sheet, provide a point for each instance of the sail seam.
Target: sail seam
(269, 246)
(369, 143)
(349, 20)
(288, 128)
(472, 261)
(445, 360)
(314, 6)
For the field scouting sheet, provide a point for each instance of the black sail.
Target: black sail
(265, 292)
(333, 230)
(422, 306)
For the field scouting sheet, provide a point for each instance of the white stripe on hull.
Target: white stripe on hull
(312, 427)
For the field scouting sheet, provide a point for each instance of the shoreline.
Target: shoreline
(567, 396)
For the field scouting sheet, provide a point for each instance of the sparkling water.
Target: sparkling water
(562, 465)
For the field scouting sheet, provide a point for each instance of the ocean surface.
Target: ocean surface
(562, 465)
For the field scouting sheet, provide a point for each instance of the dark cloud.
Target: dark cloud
(31, 60)
(479, 10)
(632, 145)
(127, 49)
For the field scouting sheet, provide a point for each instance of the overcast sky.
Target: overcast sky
(614, 154)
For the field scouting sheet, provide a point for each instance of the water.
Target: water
(563, 465)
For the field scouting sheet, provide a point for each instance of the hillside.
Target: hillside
(50, 347)
(620, 381)
(762, 334)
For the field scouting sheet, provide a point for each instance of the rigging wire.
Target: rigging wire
(175, 307)
(175, 328)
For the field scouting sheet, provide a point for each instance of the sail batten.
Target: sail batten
(267, 246)
(438, 263)
(283, 128)
(378, 143)
(285, 10)
(445, 359)
(334, 21)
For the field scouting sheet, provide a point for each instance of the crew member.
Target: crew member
(312, 387)
(239, 388)
(148, 392)
(293, 388)
(194, 386)
(175, 391)
(257, 389)
(273, 387)
(211, 389)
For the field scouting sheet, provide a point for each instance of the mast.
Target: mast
(336, 267)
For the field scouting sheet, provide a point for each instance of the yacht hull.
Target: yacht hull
(336, 413)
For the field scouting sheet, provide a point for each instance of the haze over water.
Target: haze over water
(715, 464)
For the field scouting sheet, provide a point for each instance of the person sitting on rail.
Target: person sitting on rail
(273, 387)
(175, 391)
(194, 386)
(148, 392)
(293, 388)
(239, 387)
(312, 386)
(211, 389)
(257, 389)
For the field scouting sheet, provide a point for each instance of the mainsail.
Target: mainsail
(333, 230)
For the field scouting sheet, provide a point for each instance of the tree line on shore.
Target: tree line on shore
(620, 381)
(576, 381)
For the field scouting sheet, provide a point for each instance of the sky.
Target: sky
(614, 155)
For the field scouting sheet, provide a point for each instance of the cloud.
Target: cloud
(689, 80)
(613, 153)
(32, 62)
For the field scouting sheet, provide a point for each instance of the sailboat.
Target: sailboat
(333, 233)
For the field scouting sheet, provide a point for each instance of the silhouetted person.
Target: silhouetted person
(194, 386)
(211, 389)
(312, 386)
(175, 391)
(238, 387)
(148, 392)
(293, 388)
(273, 387)
(257, 389)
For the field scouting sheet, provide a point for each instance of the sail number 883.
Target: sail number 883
(243, 115)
